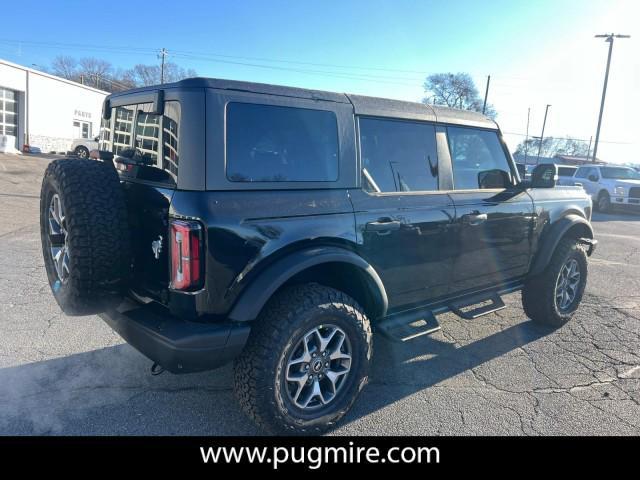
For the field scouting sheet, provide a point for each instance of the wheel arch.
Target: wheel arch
(330, 266)
(569, 226)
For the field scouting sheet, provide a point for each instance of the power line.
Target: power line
(572, 138)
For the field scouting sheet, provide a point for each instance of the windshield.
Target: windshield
(620, 172)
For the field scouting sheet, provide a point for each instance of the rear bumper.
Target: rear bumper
(177, 345)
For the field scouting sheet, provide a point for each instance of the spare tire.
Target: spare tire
(85, 235)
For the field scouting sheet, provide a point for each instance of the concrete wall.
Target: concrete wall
(48, 105)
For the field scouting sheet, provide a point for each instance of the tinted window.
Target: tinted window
(398, 156)
(566, 171)
(478, 159)
(280, 144)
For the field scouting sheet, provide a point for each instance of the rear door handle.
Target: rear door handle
(382, 225)
(474, 219)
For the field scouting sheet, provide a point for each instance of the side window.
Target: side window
(266, 143)
(582, 172)
(398, 156)
(123, 127)
(478, 159)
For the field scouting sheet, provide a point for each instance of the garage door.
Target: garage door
(8, 112)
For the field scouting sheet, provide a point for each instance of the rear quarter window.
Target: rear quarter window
(267, 143)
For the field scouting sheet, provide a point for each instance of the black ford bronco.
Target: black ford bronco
(277, 226)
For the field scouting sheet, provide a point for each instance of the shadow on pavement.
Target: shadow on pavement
(110, 391)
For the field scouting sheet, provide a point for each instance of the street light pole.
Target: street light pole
(609, 38)
(526, 138)
(544, 123)
(486, 94)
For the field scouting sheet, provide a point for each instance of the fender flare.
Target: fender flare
(253, 298)
(552, 238)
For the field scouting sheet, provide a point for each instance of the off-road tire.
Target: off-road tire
(258, 370)
(97, 236)
(603, 204)
(539, 292)
(81, 152)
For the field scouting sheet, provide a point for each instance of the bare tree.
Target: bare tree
(101, 74)
(455, 90)
(96, 70)
(151, 75)
(65, 67)
(552, 146)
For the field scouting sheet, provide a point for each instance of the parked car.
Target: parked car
(566, 174)
(81, 147)
(610, 185)
(276, 227)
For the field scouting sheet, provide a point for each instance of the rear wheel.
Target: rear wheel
(84, 235)
(552, 297)
(306, 360)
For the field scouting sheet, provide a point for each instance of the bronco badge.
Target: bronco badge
(156, 246)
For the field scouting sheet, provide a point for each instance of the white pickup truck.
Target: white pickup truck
(610, 185)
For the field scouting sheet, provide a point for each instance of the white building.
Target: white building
(44, 111)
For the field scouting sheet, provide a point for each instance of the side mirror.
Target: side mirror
(593, 178)
(96, 139)
(544, 175)
(495, 178)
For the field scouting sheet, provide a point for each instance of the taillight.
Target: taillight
(186, 246)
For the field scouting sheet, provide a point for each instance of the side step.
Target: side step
(486, 303)
(407, 326)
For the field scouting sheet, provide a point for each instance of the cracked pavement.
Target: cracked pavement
(496, 375)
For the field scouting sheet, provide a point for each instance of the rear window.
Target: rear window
(155, 137)
(266, 143)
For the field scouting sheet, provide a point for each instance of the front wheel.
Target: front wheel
(81, 152)
(604, 202)
(552, 297)
(306, 360)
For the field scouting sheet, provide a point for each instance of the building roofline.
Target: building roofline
(48, 75)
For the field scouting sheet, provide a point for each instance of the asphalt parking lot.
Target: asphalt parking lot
(497, 375)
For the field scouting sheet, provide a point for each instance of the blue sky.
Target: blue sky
(536, 52)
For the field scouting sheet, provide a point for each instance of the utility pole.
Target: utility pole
(589, 149)
(526, 138)
(486, 94)
(163, 56)
(609, 38)
(544, 123)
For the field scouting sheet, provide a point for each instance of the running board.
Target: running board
(409, 325)
(488, 303)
